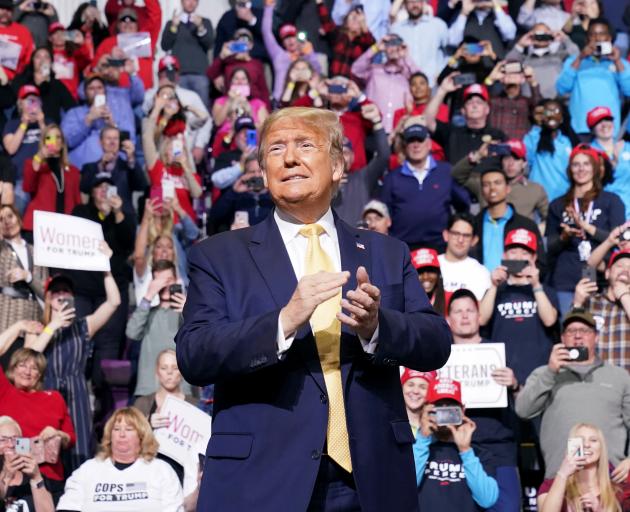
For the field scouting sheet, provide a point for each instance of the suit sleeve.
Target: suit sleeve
(211, 346)
(417, 338)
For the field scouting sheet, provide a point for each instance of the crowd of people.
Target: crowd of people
(490, 136)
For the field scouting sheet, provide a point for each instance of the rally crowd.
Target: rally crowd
(490, 136)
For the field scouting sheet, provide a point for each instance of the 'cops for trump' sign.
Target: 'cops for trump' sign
(65, 241)
(472, 366)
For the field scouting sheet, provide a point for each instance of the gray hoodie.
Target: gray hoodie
(599, 395)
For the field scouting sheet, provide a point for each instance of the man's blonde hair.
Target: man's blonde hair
(323, 122)
(132, 416)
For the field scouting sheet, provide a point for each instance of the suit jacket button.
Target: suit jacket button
(316, 454)
(323, 398)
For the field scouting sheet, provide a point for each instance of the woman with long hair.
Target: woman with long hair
(50, 178)
(579, 221)
(426, 263)
(87, 19)
(301, 80)
(583, 481)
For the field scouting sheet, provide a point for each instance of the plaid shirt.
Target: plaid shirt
(614, 330)
(344, 50)
(511, 115)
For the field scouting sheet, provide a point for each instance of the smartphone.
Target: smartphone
(625, 235)
(575, 447)
(465, 79)
(499, 149)
(241, 217)
(578, 353)
(68, 301)
(603, 48)
(379, 58)
(448, 415)
(512, 67)
(243, 90)
(474, 48)
(394, 41)
(175, 288)
(112, 191)
(337, 89)
(589, 273)
(514, 266)
(168, 189)
(116, 63)
(38, 5)
(542, 36)
(252, 138)
(23, 445)
(124, 136)
(99, 100)
(302, 36)
(178, 148)
(239, 47)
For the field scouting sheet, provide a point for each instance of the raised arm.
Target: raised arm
(104, 312)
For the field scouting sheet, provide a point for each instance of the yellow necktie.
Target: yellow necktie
(327, 331)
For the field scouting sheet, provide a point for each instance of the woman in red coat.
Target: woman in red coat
(50, 179)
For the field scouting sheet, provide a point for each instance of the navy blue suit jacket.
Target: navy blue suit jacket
(270, 414)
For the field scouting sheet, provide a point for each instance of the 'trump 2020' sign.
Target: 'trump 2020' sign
(65, 241)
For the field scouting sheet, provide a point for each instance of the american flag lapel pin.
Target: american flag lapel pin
(361, 246)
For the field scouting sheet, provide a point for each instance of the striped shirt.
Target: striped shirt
(614, 330)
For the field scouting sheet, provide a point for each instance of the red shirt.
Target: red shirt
(18, 34)
(34, 411)
(43, 189)
(181, 186)
(69, 68)
(149, 17)
(145, 64)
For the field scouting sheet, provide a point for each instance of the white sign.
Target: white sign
(472, 366)
(135, 44)
(65, 241)
(188, 432)
(9, 54)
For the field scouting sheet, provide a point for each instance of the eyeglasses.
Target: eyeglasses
(24, 366)
(459, 234)
(582, 331)
(8, 439)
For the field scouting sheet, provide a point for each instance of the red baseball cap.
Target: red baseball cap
(440, 389)
(624, 253)
(424, 257)
(522, 238)
(598, 114)
(53, 27)
(168, 62)
(476, 90)
(517, 148)
(28, 90)
(287, 30)
(408, 373)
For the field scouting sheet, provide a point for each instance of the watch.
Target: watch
(38, 485)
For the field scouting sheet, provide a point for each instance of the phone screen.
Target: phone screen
(514, 266)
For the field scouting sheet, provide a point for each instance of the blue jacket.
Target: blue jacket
(271, 412)
(420, 212)
(84, 141)
(549, 170)
(621, 176)
(595, 84)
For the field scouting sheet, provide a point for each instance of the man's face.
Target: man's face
(414, 392)
(58, 38)
(476, 108)
(417, 151)
(605, 129)
(619, 272)
(348, 156)
(598, 33)
(376, 222)
(459, 238)
(170, 277)
(463, 317)
(94, 88)
(414, 8)
(494, 188)
(110, 141)
(189, 6)
(298, 166)
(127, 25)
(513, 166)
(578, 334)
(5, 16)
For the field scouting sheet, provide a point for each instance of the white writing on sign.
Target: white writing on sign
(188, 432)
(472, 365)
(65, 241)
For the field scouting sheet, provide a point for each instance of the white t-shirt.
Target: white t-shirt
(468, 273)
(98, 486)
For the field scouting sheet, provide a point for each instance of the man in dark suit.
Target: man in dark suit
(308, 411)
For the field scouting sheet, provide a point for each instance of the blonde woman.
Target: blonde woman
(583, 482)
(50, 179)
(126, 469)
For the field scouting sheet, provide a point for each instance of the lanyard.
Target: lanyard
(589, 210)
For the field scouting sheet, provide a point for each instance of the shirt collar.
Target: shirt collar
(409, 171)
(289, 226)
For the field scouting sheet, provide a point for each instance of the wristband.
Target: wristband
(374, 48)
(452, 62)
(291, 86)
(313, 94)
(538, 289)
(488, 81)
(37, 158)
(23, 127)
(47, 329)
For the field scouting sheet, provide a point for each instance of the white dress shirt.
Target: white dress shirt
(296, 246)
